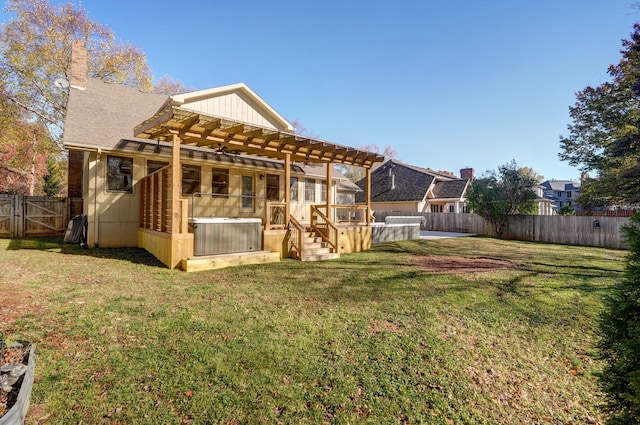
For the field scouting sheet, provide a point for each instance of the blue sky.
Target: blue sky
(448, 84)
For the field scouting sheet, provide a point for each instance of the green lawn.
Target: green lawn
(373, 337)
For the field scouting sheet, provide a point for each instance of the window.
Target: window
(309, 190)
(568, 194)
(436, 208)
(293, 182)
(119, 174)
(247, 192)
(190, 179)
(153, 166)
(323, 191)
(273, 187)
(559, 194)
(452, 208)
(220, 181)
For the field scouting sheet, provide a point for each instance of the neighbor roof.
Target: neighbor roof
(561, 185)
(395, 181)
(449, 189)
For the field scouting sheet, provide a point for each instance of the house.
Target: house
(400, 187)
(208, 178)
(561, 192)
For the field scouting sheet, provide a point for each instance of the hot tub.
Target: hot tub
(225, 235)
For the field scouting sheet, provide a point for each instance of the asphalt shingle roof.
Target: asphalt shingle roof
(105, 113)
(411, 183)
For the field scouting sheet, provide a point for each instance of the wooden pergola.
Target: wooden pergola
(185, 127)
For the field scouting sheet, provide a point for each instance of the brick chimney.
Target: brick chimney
(467, 173)
(78, 66)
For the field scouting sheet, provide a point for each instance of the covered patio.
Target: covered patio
(164, 215)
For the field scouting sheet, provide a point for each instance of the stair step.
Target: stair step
(321, 257)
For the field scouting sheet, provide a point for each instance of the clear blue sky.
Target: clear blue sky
(448, 84)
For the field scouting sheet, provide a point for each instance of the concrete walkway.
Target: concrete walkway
(428, 234)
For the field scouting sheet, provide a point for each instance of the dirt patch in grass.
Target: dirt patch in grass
(462, 265)
(15, 304)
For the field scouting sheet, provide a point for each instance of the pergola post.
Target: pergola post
(328, 189)
(176, 187)
(287, 188)
(367, 194)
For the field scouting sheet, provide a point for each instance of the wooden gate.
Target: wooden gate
(31, 216)
(6, 216)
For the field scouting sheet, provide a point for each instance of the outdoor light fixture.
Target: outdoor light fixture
(157, 147)
(596, 224)
(261, 176)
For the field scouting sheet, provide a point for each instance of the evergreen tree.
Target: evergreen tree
(620, 346)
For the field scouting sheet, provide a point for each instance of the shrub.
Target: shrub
(620, 345)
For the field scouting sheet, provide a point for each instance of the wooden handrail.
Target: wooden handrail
(297, 231)
(327, 230)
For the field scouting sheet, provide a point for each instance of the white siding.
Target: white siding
(234, 106)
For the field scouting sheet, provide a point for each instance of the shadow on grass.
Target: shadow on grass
(134, 255)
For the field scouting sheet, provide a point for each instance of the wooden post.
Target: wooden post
(328, 190)
(176, 186)
(367, 195)
(287, 188)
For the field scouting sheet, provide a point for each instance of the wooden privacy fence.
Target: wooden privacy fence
(32, 216)
(602, 232)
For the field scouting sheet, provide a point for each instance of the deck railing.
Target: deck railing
(324, 227)
(275, 215)
(155, 202)
(351, 214)
(296, 236)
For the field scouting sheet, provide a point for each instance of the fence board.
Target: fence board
(567, 230)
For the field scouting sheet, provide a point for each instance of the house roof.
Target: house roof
(104, 114)
(560, 185)
(449, 189)
(395, 181)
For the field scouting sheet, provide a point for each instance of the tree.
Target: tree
(24, 148)
(497, 195)
(51, 182)
(567, 210)
(35, 51)
(620, 346)
(169, 86)
(604, 135)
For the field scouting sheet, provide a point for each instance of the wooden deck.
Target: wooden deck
(212, 262)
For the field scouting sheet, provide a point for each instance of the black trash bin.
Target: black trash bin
(77, 230)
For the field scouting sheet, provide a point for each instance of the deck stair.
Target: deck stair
(314, 248)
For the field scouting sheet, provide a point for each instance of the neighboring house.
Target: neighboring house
(155, 172)
(545, 206)
(561, 193)
(400, 187)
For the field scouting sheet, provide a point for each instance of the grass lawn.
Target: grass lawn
(450, 331)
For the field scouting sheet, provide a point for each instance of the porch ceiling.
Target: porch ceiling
(202, 130)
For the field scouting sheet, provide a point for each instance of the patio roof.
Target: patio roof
(222, 134)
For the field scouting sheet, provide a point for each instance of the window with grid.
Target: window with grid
(220, 181)
(119, 174)
(190, 179)
(273, 187)
(309, 190)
